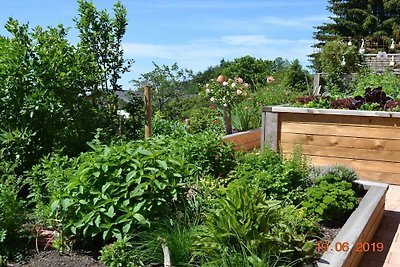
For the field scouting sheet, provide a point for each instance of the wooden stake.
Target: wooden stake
(147, 103)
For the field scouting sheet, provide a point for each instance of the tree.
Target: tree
(296, 78)
(252, 70)
(101, 38)
(167, 82)
(45, 82)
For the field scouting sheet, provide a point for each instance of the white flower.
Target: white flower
(225, 105)
(233, 85)
(212, 99)
(208, 91)
(207, 85)
(223, 99)
(238, 91)
(225, 83)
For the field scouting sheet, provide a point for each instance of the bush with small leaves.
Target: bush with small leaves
(330, 199)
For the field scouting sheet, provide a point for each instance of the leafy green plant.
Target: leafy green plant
(330, 199)
(114, 189)
(388, 81)
(162, 126)
(337, 59)
(13, 236)
(16, 153)
(208, 152)
(245, 218)
(246, 115)
(279, 178)
(342, 172)
(120, 254)
(206, 119)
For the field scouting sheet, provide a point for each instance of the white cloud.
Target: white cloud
(294, 22)
(258, 40)
(199, 55)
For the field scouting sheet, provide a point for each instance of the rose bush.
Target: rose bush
(226, 93)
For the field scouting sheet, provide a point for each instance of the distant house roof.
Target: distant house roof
(126, 95)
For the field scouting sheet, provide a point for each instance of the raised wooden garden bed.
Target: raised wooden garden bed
(367, 141)
(248, 140)
(353, 240)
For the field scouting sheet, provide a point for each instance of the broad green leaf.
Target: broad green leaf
(126, 227)
(54, 205)
(117, 234)
(162, 164)
(140, 218)
(110, 213)
(130, 175)
(143, 151)
(138, 191)
(97, 221)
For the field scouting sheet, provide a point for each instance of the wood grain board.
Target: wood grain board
(370, 145)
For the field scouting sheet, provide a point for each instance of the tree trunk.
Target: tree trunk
(227, 120)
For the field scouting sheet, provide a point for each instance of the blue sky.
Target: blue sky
(195, 34)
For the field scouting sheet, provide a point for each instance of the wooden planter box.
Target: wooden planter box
(353, 240)
(248, 140)
(367, 141)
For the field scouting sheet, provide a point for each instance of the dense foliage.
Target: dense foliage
(372, 99)
(331, 199)
(375, 21)
(184, 188)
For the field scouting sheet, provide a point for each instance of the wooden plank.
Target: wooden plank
(367, 170)
(379, 176)
(345, 152)
(341, 141)
(354, 229)
(337, 119)
(334, 130)
(248, 146)
(244, 137)
(342, 112)
(369, 231)
(359, 165)
(263, 123)
(271, 130)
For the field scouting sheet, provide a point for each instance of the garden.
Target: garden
(82, 185)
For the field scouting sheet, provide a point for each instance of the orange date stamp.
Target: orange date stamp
(345, 246)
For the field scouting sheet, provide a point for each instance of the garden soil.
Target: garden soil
(55, 259)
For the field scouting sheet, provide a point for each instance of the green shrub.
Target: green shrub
(244, 218)
(120, 254)
(206, 119)
(330, 199)
(343, 173)
(208, 152)
(161, 126)
(47, 181)
(108, 192)
(388, 81)
(114, 189)
(16, 151)
(279, 178)
(13, 236)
